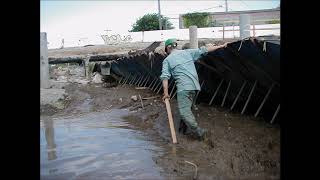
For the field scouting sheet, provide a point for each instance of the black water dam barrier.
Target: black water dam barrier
(243, 77)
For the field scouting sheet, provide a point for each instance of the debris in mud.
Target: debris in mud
(109, 107)
(137, 108)
(62, 79)
(52, 101)
(53, 97)
(109, 85)
(153, 97)
(196, 169)
(141, 101)
(79, 81)
(48, 109)
(97, 79)
(134, 98)
(63, 73)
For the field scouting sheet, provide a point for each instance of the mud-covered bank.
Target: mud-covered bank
(240, 147)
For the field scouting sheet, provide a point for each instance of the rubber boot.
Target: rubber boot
(201, 133)
(183, 128)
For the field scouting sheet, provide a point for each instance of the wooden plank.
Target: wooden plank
(171, 124)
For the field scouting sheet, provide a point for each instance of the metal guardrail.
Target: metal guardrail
(253, 21)
(253, 29)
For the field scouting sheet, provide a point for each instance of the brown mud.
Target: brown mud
(239, 147)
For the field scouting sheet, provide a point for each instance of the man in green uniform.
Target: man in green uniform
(180, 65)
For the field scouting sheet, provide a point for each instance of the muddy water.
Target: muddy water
(93, 139)
(96, 146)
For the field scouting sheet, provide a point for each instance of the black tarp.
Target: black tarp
(252, 60)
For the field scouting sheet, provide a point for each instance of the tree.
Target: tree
(150, 22)
(274, 21)
(196, 19)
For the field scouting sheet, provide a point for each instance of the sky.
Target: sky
(75, 20)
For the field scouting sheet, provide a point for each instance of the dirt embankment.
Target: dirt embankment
(240, 147)
(121, 48)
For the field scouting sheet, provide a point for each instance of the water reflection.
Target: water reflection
(49, 134)
(99, 145)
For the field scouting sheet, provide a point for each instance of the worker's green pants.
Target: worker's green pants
(185, 99)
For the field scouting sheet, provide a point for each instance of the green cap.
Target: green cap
(169, 42)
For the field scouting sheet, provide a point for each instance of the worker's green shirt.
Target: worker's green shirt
(180, 64)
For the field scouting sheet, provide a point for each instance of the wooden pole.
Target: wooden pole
(173, 132)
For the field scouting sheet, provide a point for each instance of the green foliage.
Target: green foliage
(220, 24)
(150, 22)
(197, 19)
(274, 21)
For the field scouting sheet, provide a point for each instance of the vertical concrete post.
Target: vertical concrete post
(44, 64)
(86, 67)
(193, 36)
(142, 36)
(223, 32)
(233, 31)
(244, 26)
(180, 22)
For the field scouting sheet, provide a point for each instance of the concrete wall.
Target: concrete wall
(183, 34)
(212, 32)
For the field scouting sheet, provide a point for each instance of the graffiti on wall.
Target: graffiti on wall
(115, 39)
